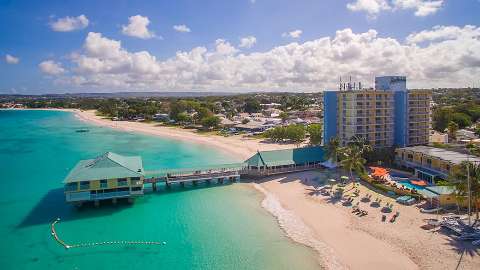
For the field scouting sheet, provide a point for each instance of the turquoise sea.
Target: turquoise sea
(216, 227)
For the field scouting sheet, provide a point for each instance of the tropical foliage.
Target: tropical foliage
(460, 179)
(315, 132)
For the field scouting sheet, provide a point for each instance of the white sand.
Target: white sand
(238, 145)
(343, 240)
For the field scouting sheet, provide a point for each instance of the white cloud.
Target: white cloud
(422, 7)
(293, 34)
(68, 24)
(450, 58)
(181, 28)
(247, 42)
(10, 59)
(51, 68)
(138, 27)
(442, 33)
(371, 7)
(374, 7)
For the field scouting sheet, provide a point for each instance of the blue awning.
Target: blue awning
(429, 172)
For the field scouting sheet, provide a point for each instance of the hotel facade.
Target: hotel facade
(389, 115)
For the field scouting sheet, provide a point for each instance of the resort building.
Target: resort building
(430, 163)
(109, 176)
(283, 161)
(385, 116)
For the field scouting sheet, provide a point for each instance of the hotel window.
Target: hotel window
(84, 185)
(410, 156)
(103, 183)
(121, 182)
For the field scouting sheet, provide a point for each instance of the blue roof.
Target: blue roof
(430, 172)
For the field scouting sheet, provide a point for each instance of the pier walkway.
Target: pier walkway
(218, 173)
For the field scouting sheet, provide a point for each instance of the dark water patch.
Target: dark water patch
(53, 205)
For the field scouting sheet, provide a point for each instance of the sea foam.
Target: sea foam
(297, 230)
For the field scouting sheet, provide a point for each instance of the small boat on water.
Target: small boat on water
(82, 130)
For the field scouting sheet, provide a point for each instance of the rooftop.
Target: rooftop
(447, 155)
(287, 157)
(106, 166)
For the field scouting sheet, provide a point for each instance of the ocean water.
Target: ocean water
(216, 227)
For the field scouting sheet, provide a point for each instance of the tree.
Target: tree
(283, 116)
(452, 130)
(362, 144)
(463, 120)
(441, 117)
(211, 121)
(315, 131)
(183, 117)
(245, 121)
(333, 149)
(352, 160)
(295, 133)
(460, 180)
(251, 105)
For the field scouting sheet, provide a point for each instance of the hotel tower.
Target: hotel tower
(388, 115)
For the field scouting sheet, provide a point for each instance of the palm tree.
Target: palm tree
(352, 160)
(460, 179)
(452, 131)
(333, 149)
(361, 143)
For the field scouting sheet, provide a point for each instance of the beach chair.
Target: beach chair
(394, 217)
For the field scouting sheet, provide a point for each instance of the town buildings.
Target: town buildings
(388, 115)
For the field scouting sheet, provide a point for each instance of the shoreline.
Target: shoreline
(237, 146)
(341, 239)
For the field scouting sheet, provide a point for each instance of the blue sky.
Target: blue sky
(38, 58)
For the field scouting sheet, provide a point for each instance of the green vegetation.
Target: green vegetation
(315, 131)
(293, 133)
(461, 106)
(333, 149)
(210, 122)
(459, 179)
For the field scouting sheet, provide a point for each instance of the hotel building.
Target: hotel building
(389, 115)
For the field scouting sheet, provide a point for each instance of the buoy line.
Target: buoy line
(69, 246)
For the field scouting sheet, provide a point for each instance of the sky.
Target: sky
(235, 45)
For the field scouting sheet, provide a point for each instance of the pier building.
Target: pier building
(109, 176)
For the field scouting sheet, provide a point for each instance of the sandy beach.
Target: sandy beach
(237, 146)
(347, 241)
(342, 239)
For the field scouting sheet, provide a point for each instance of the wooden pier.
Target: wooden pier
(219, 174)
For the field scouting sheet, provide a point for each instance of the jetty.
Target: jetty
(113, 176)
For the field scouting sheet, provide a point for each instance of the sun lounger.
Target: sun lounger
(394, 217)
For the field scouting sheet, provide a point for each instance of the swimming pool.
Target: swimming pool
(409, 185)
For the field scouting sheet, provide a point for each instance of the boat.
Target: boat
(82, 130)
